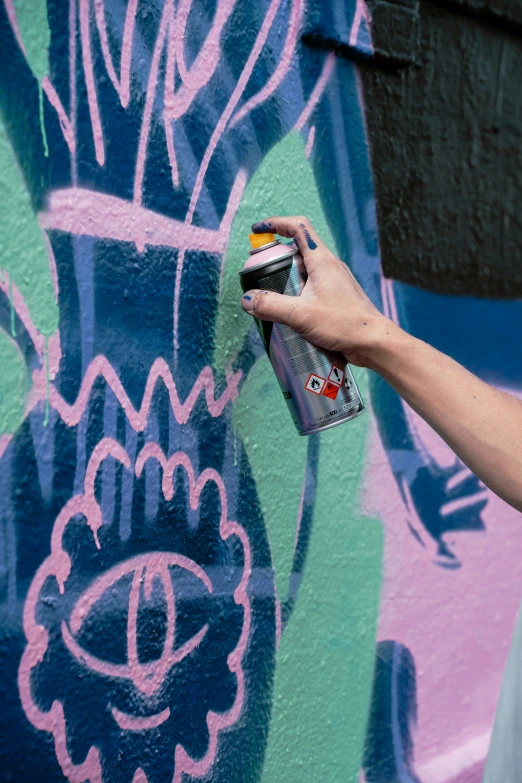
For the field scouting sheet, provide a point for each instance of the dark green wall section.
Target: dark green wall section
(444, 115)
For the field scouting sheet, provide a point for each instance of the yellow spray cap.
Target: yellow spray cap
(258, 240)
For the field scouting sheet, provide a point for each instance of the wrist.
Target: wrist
(383, 344)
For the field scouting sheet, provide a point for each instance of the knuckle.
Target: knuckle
(260, 303)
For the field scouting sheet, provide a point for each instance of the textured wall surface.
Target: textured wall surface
(189, 591)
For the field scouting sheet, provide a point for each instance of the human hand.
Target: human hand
(333, 311)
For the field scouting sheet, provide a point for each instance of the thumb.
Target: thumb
(269, 306)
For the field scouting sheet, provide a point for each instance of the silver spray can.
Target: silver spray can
(318, 385)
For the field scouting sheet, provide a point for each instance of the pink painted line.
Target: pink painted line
(65, 123)
(72, 83)
(101, 367)
(13, 21)
(282, 67)
(140, 776)
(132, 723)
(278, 622)
(458, 478)
(89, 213)
(446, 767)
(177, 295)
(5, 440)
(361, 12)
(168, 106)
(92, 97)
(310, 141)
(22, 311)
(166, 19)
(208, 56)
(315, 97)
(154, 562)
(457, 505)
(171, 150)
(121, 85)
(231, 105)
(204, 65)
(146, 677)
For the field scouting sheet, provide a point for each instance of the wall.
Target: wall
(187, 590)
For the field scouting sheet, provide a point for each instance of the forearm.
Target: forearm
(482, 425)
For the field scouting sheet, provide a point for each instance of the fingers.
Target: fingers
(298, 228)
(269, 306)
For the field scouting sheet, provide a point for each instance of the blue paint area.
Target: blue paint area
(393, 716)
(262, 228)
(309, 241)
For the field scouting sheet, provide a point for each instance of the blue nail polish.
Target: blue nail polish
(260, 228)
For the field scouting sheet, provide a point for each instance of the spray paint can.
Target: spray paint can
(318, 385)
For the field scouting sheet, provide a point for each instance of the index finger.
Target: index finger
(298, 228)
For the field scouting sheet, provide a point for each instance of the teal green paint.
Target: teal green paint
(325, 659)
(282, 185)
(36, 39)
(260, 410)
(277, 456)
(42, 120)
(23, 253)
(13, 380)
(35, 34)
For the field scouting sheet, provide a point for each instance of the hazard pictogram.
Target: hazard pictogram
(330, 390)
(336, 375)
(315, 384)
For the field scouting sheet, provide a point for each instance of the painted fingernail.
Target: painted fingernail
(247, 302)
(262, 227)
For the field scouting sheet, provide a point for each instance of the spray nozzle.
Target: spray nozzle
(259, 240)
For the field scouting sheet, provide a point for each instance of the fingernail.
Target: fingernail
(247, 302)
(262, 228)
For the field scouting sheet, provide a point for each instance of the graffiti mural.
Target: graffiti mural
(187, 590)
(161, 544)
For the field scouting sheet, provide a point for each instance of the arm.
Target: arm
(482, 425)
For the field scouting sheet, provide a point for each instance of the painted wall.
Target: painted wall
(187, 590)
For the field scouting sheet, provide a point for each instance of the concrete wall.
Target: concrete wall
(188, 591)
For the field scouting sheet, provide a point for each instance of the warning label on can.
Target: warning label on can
(331, 390)
(315, 384)
(336, 375)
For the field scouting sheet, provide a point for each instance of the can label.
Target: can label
(318, 385)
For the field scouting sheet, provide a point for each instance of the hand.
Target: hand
(333, 311)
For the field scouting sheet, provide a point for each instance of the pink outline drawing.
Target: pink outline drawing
(282, 67)
(100, 366)
(58, 565)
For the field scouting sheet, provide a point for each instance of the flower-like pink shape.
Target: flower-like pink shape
(147, 677)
